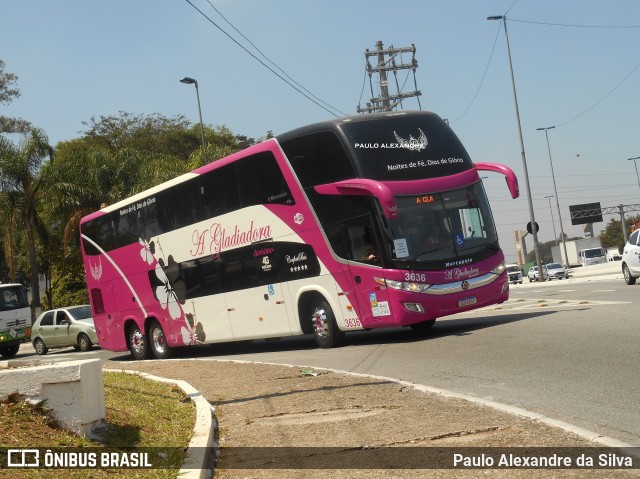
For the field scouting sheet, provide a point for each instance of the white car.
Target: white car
(533, 274)
(631, 258)
(515, 273)
(555, 271)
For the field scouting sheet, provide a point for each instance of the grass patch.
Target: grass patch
(140, 413)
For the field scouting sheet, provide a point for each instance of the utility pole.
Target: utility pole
(386, 59)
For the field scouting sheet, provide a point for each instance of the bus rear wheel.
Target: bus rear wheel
(138, 344)
(325, 329)
(158, 341)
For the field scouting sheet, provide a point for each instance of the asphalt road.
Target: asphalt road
(567, 349)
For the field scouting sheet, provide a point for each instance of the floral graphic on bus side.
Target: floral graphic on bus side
(171, 292)
(193, 335)
(169, 289)
(148, 250)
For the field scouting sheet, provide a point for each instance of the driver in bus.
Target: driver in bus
(434, 235)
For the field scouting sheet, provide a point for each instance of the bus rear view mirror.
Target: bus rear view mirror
(512, 180)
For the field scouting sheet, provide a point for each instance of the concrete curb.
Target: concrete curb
(200, 451)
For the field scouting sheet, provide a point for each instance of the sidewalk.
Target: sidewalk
(339, 417)
(596, 270)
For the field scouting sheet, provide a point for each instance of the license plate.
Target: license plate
(467, 301)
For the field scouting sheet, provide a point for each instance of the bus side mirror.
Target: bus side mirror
(363, 187)
(510, 176)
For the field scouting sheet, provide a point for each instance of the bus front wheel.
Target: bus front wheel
(138, 344)
(158, 341)
(325, 329)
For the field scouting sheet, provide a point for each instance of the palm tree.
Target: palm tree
(22, 182)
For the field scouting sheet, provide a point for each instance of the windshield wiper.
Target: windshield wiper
(415, 257)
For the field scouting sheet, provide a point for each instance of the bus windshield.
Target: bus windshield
(440, 229)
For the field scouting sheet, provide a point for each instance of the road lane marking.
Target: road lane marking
(522, 304)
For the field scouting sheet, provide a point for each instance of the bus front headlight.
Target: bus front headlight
(403, 285)
(499, 269)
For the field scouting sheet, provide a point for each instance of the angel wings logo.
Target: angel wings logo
(412, 143)
(96, 271)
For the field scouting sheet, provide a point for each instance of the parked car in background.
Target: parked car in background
(64, 327)
(555, 271)
(533, 274)
(631, 258)
(515, 273)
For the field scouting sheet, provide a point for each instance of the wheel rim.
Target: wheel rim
(83, 342)
(158, 340)
(137, 342)
(626, 273)
(39, 347)
(320, 323)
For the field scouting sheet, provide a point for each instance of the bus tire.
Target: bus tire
(325, 329)
(630, 280)
(138, 344)
(423, 327)
(158, 341)
(40, 347)
(84, 343)
(10, 351)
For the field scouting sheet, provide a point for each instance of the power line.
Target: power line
(603, 98)
(495, 41)
(261, 62)
(270, 61)
(570, 25)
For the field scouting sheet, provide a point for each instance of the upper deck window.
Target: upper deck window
(406, 148)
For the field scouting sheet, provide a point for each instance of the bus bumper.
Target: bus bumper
(446, 300)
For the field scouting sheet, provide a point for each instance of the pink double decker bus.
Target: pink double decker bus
(363, 222)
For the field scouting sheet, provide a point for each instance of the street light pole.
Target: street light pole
(191, 81)
(555, 190)
(636, 165)
(524, 157)
(552, 222)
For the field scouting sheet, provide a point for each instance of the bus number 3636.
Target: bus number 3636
(415, 277)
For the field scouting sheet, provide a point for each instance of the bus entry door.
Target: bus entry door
(374, 307)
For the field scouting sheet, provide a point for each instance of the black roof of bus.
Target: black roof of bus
(335, 123)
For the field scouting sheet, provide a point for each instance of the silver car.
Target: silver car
(555, 271)
(64, 327)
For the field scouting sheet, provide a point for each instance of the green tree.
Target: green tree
(22, 185)
(611, 236)
(8, 93)
(545, 252)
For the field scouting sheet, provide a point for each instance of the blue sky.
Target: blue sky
(77, 59)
